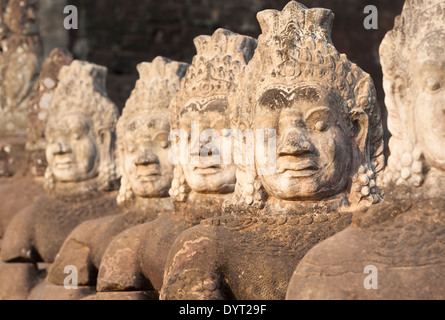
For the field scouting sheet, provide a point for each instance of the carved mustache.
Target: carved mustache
(298, 165)
(147, 159)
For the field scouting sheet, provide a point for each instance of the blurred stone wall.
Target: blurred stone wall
(51, 25)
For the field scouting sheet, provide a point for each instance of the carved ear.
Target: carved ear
(399, 90)
(395, 101)
(361, 124)
(105, 139)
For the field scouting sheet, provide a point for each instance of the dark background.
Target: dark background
(122, 33)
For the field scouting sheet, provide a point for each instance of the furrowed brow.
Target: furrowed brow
(315, 110)
(274, 99)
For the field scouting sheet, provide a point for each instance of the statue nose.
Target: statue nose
(146, 157)
(204, 147)
(61, 147)
(295, 143)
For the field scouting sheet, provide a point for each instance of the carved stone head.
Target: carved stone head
(40, 100)
(413, 60)
(203, 98)
(320, 108)
(21, 16)
(80, 132)
(143, 131)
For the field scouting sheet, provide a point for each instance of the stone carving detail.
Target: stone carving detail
(143, 146)
(80, 135)
(403, 236)
(198, 190)
(39, 106)
(20, 62)
(290, 59)
(82, 110)
(323, 112)
(203, 98)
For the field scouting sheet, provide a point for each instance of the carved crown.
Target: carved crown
(219, 59)
(158, 84)
(296, 43)
(82, 88)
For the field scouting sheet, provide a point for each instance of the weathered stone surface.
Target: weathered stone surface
(136, 295)
(135, 259)
(16, 279)
(20, 62)
(143, 146)
(15, 195)
(39, 106)
(403, 237)
(48, 291)
(322, 109)
(80, 135)
(17, 189)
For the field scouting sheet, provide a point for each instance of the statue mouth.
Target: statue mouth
(148, 172)
(207, 170)
(63, 163)
(298, 168)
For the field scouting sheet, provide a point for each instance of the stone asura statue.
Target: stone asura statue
(20, 62)
(143, 147)
(396, 250)
(80, 135)
(38, 108)
(322, 112)
(32, 161)
(135, 260)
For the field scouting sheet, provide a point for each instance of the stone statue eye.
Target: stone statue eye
(433, 84)
(131, 149)
(164, 144)
(321, 126)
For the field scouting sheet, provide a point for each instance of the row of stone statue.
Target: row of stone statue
(206, 230)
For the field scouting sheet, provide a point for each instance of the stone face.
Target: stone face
(322, 111)
(39, 107)
(20, 63)
(403, 236)
(80, 131)
(80, 135)
(143, 146)
(135, 259)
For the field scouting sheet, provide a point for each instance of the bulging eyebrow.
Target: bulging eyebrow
(315, 110)
(281, 98)
(157, 134)
(219, 105)
(274, 99)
